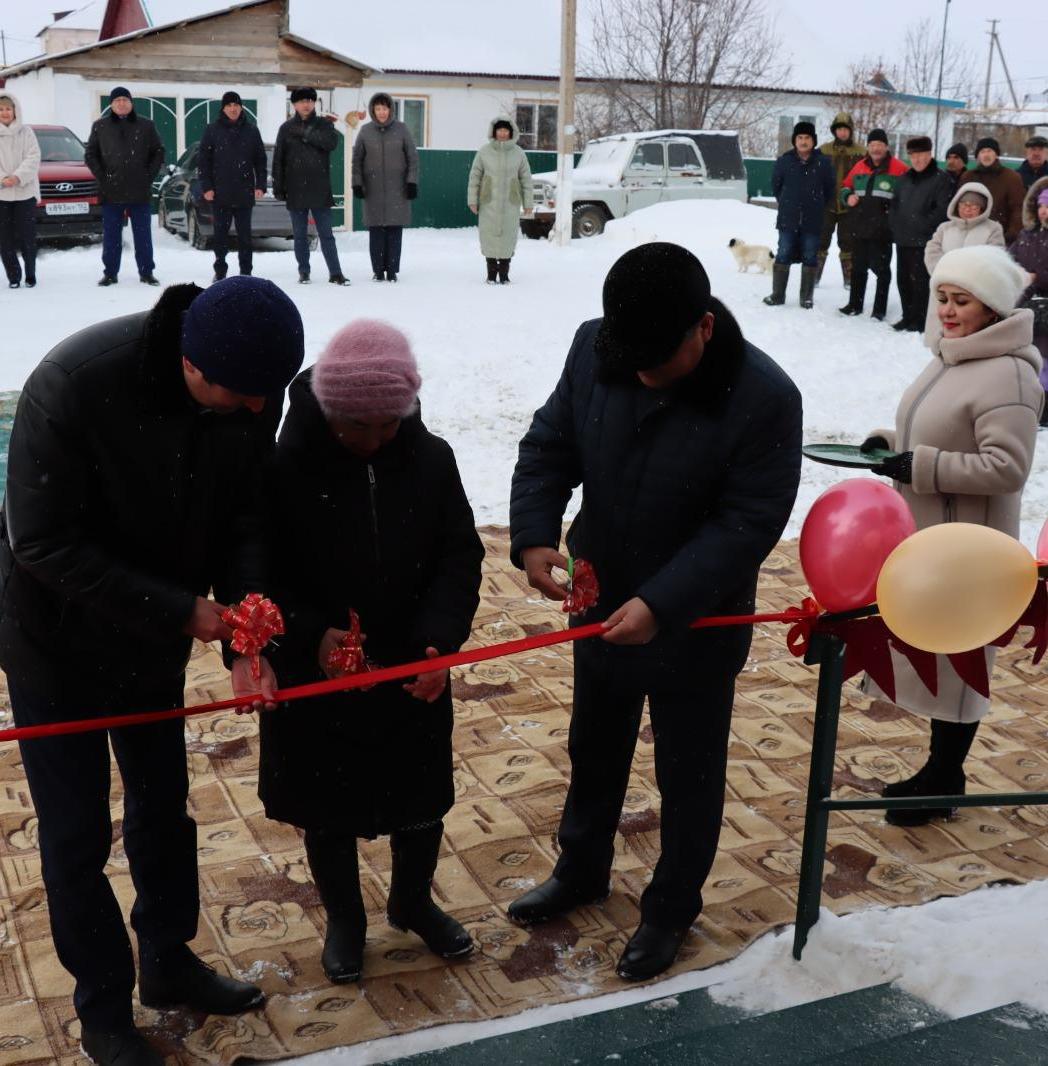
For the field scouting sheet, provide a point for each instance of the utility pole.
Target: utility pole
(1007, 74)
(566, 124)
(989, 62)
(942, 61)
(3, 46)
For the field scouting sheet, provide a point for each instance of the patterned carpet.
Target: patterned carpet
(261, 916)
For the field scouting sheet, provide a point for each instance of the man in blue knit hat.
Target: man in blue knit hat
(133, 490)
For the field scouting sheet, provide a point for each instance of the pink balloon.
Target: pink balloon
(850, 531)
(1042, 544)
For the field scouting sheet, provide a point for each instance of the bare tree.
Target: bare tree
(866, 92)
(678, 63)
(920, 66)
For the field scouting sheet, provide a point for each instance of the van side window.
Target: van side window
(683, 157)
(648, 157)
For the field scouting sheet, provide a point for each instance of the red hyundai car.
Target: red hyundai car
(69, 205)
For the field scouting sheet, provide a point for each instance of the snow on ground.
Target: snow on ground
(489, 357)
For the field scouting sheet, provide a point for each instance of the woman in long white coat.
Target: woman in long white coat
(19, 192)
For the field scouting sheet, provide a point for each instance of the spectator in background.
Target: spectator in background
(803, 184)
(869, 188)
(1005, 186)
(843, 152)
(302, 179)
(1030, 251)
(956, 164)
(921, 198)
(1035, 166)
(125, 154)
(232, 171)
(385, 177)
(19, 192)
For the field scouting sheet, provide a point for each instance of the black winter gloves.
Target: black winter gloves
(898, 468)
(358, 192)
(412, 190)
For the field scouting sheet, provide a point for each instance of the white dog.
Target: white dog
(747, 255)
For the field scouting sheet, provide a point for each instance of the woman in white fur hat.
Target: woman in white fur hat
(965, 433)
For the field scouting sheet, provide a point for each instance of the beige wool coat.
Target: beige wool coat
(970, 419)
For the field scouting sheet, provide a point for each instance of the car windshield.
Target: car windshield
(604, 152)
(60, 146)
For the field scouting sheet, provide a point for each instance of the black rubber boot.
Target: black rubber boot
(809, 275)
(493, 271)
(821, 267)
(846, 272)
(411, 905)
(336, 873)
(941, 775)
(780, 277)
(503, 271)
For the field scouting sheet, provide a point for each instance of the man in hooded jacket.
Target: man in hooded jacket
(843, 152)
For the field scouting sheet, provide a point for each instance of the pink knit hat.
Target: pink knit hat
(367, 369)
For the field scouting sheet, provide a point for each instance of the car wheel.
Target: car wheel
(588, 220)
(195, 237)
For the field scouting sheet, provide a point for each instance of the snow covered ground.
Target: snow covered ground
(489, 357)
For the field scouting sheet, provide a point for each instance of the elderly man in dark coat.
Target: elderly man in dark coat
(385, 177)
(302, 178)
(125, 155)
(686, 441)
(133, 489)
(232, 171)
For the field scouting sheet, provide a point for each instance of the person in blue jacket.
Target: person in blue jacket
(804, 183)
(686, 441)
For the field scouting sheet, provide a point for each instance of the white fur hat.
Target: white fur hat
(987, 272)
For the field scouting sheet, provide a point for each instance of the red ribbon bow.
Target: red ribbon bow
(255, 620)
(799, 636)
(583, 588)
(348, 657)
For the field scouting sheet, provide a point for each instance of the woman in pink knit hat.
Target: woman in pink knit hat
(370, 516)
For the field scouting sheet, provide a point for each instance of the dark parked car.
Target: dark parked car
(182, 209)
(69, 204)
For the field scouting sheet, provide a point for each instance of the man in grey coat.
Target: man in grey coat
(385, 177)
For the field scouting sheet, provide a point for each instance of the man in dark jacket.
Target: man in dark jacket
(922, 196)
(803, 183)
(1035, 165)
(956, 165)
(302, 178)
(232, 171)
(686, 441)
(843, 152)
(1004, 184)
(125, 154)
(869, 190)
(133, 489)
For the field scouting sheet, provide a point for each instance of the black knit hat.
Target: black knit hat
(231, 98)
(988, 142)
(803, 128)
(919, 144)
(1037, 141)
(960, 150)
(303, 93)
(877, 135)
(118, 92)
(653, 296)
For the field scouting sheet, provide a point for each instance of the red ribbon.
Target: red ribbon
(255, 620)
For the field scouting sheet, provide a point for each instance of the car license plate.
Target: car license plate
(67, 209)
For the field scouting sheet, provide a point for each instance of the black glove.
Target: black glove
(871, 444)
(358, 192)
(412, 190)
(898, 468)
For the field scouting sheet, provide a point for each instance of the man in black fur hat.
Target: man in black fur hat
(686, 441)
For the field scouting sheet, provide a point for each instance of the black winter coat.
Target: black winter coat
(302, 162)
(919, 206)
(394, 538)
(125, 500)
(803, 188)
(1029, 175)
(232, 161)
(125, 155)
(684, 491)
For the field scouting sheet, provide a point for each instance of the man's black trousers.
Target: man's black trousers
(69, 780)
(241, 217)
(690, 713)
(913, 281)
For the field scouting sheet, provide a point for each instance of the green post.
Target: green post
(828, 652)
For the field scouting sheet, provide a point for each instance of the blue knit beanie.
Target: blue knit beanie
(245, 334)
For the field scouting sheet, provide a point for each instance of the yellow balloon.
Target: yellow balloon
(955, 587)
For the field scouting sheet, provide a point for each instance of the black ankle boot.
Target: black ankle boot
(941, 775)
(411, 905)
(120, 1047)
(177, 978)
(552, 899)
(493, 271)
(333, 862)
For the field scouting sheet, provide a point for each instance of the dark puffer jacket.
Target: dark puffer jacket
(684, 491)
(125, 155)
(302, 162)
(803, 188)
(125, 500)
(392, 537)
(919, 206)
(232, 161)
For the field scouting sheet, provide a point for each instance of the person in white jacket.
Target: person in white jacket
(967, 222)
(19, 192)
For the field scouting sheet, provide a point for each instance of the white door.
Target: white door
(685, 172)
(645, 175)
